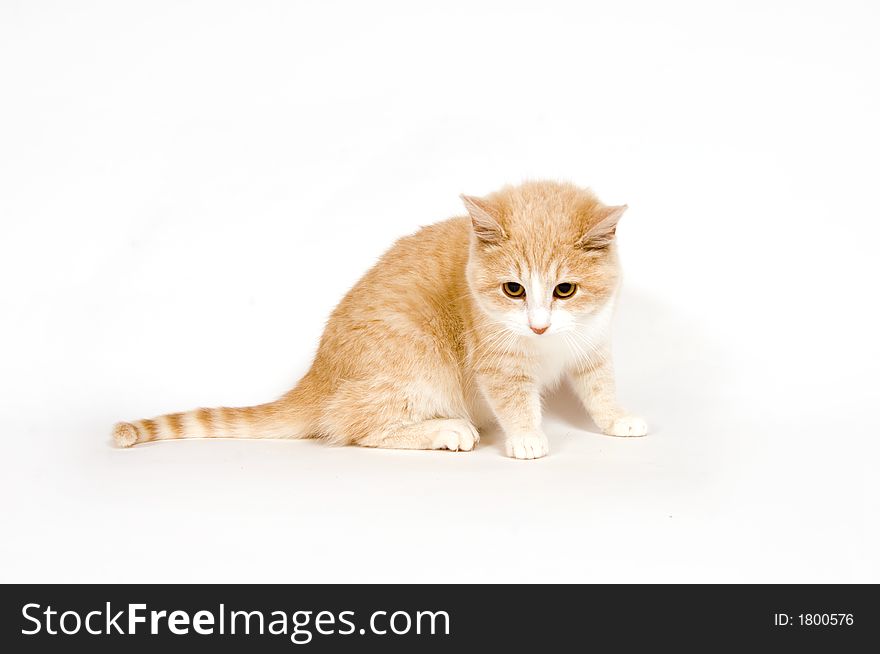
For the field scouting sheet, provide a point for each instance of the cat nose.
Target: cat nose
(539, 330)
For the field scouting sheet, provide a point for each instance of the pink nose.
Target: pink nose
(539, 330)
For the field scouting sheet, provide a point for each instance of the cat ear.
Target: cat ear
(602, 233)
(484, 218)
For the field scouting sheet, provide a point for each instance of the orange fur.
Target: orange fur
(426, 345)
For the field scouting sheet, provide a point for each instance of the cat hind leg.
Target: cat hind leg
(454, 434)
(389, 413)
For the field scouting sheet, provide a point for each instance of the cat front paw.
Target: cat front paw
(627, 426)
(527, 446)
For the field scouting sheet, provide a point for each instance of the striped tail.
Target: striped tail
(272, 420)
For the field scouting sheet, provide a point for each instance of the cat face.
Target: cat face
(542, 256)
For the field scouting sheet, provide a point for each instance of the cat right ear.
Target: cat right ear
(485, 219)
(600, 235)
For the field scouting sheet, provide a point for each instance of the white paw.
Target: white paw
(628, 426)
(455, 435)
(527, 446)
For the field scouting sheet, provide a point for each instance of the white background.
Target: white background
(188, 188)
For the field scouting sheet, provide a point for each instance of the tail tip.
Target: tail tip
(124, 434)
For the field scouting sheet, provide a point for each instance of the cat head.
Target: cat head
(542, 256)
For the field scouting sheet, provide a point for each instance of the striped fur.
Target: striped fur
(264, 421)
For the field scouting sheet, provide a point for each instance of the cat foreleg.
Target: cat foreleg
(516, 401)
(594, 385)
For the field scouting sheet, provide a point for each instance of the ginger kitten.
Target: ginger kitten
(466, 320)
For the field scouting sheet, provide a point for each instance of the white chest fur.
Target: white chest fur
(557, 353)
(554, 354)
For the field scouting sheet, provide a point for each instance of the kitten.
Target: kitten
(464, 321)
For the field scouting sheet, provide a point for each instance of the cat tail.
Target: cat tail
(279, 419)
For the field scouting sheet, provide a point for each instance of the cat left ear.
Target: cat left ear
(602, 233)
(484, 218)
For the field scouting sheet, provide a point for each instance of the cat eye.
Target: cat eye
(564, 290)
(512, 289)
